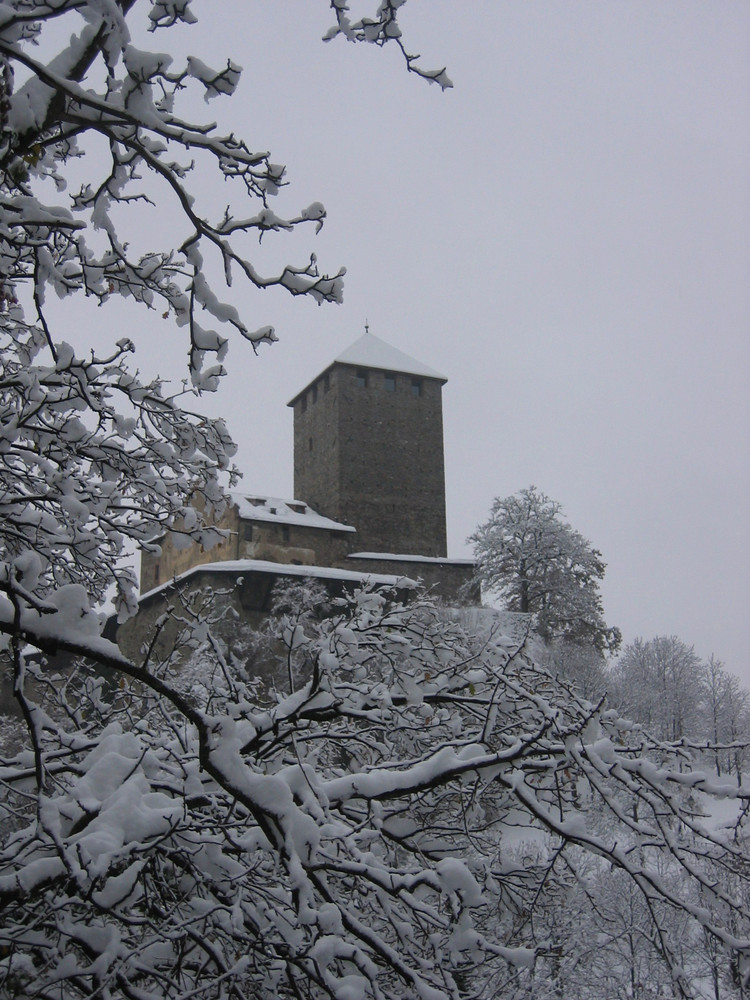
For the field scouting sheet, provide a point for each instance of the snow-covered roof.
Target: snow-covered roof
(255, 507)
(400, 557)
(370, 351)
(239, 566)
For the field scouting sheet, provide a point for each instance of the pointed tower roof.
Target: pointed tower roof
(369, 351)
(372, 352)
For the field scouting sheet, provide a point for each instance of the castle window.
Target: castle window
(247, 532)
(416, 387)
(326, 382)
(315, 393)
(362, 378)
(309, 444)
(285, 532)
(303, 403)
(390, 383)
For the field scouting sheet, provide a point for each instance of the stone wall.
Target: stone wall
(176, 558)
(450, 581)
(317, 445)
(291, 543)
(221, 593)
(368, 451)
(239, 597)
(298, 544)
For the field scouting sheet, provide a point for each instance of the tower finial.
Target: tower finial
(367, 326)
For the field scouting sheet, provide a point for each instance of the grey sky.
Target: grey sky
(566, 235)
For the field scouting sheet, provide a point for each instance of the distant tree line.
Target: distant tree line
(530, 558)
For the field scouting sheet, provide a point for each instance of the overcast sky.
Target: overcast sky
(565, 235)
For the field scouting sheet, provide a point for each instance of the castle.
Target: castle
(368, 460)
(369, 469)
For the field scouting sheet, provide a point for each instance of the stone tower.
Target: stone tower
(368, 448)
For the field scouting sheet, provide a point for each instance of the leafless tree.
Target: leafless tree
(342, 838)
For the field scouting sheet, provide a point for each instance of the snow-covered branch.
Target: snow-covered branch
(353, 833)
(363, 801)
(101, 98)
